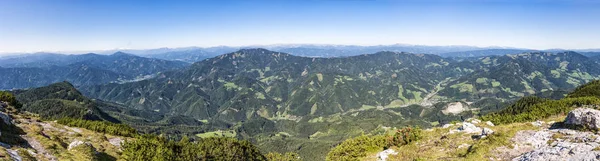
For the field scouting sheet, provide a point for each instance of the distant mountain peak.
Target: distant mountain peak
(254, 50)
(119, 53)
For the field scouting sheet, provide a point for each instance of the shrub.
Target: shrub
(10, 99)
(405, 136)
(356, 148)
(100, 126)
(150, 147)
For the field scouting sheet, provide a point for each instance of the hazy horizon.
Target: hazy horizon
(110, 51)
(71, 26)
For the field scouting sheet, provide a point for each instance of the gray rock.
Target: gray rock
(5, 118)
(484, 133)
(14, 155)
(562, 150)
(487, 131)
(116, 141)
(535, 139)
(77, 143)
(447, 125)
(572, 145)
(469, 128)
(489, 123)
(586, 117)
(382, 156)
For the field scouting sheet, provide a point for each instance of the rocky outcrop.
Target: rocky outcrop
(77, 143)
(382, 156)
(469, 127)
(5, 118)
(487, 131)
(116, 141)
(558, 144)
(585, 117)
(14, 155)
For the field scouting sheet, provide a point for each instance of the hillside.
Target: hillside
(515, 76)
(87, 69)
(24, 136)
(289, 103)
(60, 100)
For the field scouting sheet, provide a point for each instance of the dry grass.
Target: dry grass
(56, 139)
(439, 144)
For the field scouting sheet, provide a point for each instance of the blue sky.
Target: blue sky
(71, 25)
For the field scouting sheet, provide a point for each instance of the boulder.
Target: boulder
(586, 117)
(487, 131)
(484, 133)
(77, 143)
(469, 128)
(489, 123)
(85, 150)
(447, 125)
(382, 156)
(5, 118)
(116, 141)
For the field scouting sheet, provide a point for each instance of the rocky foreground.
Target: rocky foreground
(33, 139)
(557, 142)
(571, 137)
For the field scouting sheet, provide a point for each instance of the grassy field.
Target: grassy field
(219, 133)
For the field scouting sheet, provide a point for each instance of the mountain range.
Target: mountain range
(295, 86)
(87, 69)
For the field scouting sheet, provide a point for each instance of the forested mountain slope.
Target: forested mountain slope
(244, 84)
(61, 100)
(269, 96)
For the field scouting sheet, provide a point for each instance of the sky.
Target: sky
(79, 25)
